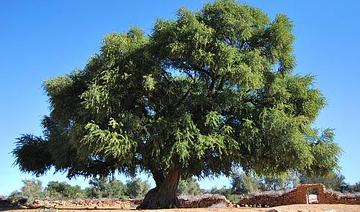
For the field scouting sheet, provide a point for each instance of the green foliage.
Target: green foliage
(203, 92)
(100, 187)
(223, 191)
(106, 188)
(189, 187)
(245, 183)
(32, 154)
(242, 183)
(136, 188)
(286, 181)
(234, 198)
(30, 191)
(325, 151)
(60, 190)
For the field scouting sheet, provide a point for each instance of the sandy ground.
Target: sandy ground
(289, 208)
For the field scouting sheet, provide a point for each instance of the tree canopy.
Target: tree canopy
(207, 91)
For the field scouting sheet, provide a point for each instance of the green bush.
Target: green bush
(61, 190)
(189, 187)
(136, 188)
(106, 188)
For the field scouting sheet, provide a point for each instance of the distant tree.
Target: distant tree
(103, 187)
(56, 189)
(274, 183)
(137, 188)
(203, 92)
(332, 181)
(97, 187)
(116, 189)
(189, 187)
(223, 190)
(242, 183)
(355, 188)
(30, 191)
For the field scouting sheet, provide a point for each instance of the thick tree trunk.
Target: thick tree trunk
(164, 194)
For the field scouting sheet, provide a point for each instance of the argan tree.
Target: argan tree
(203, 93)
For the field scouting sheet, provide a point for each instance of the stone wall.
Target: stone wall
(85, 203)
(299, 195)
(204, 201)
(200, 201)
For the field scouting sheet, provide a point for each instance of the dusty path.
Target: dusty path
(287, 208)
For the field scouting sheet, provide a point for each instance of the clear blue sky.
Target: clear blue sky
(43, 39)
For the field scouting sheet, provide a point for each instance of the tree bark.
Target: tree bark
(164, 194)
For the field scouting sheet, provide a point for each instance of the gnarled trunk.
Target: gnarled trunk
(164, 194)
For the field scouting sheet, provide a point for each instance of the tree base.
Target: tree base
(164, 194)
(155, 199)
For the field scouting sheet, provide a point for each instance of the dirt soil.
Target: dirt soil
(287, 208)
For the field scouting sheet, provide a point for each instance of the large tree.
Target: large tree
(205, 92)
